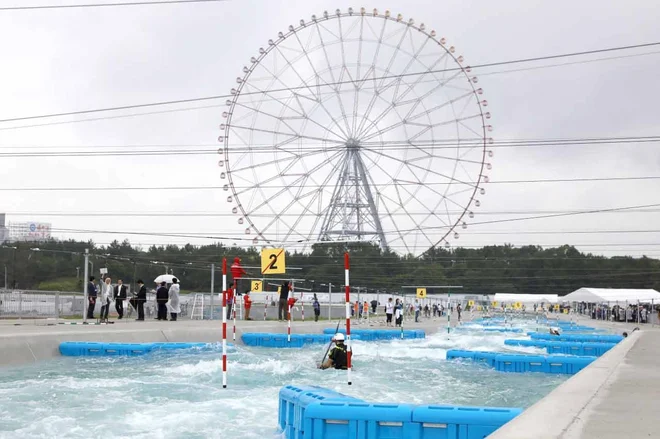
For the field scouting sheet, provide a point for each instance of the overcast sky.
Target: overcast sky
(65, 60)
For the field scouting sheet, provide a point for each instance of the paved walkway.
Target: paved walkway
(616, 397)
(25, 341)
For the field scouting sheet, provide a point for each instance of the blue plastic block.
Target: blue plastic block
(508, 363)
(486, 358)
(456, 354)
(250, 339)
(440, 422)
(336, 420)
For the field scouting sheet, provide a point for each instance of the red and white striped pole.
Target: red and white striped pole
(234, 315)
(265, 308)
(288, 316)
(224, 323)
(348, 316)
(302, 306)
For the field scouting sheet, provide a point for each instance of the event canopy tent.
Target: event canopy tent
(526, 298)
(599, 295)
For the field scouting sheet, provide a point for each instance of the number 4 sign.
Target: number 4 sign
(272, 261)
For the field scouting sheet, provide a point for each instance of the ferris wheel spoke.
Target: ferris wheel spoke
(285, 189)
(398, 102)
(317, 98)
(330, 70)
(408, 163)
(306, 208)
(410, 217)
(419, 184)
(292, 156)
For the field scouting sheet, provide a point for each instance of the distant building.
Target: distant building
(4, 231)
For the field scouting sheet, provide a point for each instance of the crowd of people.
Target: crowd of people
(105, 293)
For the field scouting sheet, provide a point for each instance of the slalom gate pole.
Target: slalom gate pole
(265, 308)
(349, 352)
(224, 323)
(233, 308)
(288, 331)
(302, 306)
(448, 314)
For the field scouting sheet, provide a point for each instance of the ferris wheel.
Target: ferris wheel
(355, 125)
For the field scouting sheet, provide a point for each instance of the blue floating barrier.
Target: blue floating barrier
(526, 363)
(311, 412)
(526, 343)
(81, 349)
(485, 357)
(454, 354)
(87, 349)
(327, 420)
(595, 338)
(460, 422)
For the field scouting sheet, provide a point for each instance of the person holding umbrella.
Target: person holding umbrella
(173, 304)
(162, 296)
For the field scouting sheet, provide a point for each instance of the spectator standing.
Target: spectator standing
(106, 297)
(92, 293)
(173, 303)
(247, 304)
(317, 308)
(162, 296)
(282, 305)
(389, 312)
(398, 313)
(237, 273)
(140, 300)
(230, 300)
(120, 296)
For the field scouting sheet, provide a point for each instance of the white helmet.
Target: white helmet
(339, 337)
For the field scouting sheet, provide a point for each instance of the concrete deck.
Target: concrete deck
(615, 397)
(26, 341)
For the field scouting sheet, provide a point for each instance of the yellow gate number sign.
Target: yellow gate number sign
(421, 293)
(470, 303)
(518, 305)
(272, 261)
(557, 307)
(257, 286)
(494, 304)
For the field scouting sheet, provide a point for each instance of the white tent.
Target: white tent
(526, 298)
(600, 295)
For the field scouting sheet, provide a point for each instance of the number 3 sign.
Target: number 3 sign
(272, 261)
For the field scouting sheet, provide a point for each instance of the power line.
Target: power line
(130, 214)
(435, 143)
(243, 238)
(334, 83)
(270, 186)
(269, 149)
(101, 5)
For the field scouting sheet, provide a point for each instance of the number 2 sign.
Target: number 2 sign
(272, 261)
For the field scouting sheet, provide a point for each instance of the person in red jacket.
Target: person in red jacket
(230, 299)
(290, 302)
(247, 303)
(237, 272)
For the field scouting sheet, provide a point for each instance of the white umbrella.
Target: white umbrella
(167, 278)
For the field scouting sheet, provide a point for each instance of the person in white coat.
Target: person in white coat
(107, 292)
(173, 302)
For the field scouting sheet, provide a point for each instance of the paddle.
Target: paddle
(329, 344)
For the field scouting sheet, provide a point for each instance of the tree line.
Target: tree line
(59, 265)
